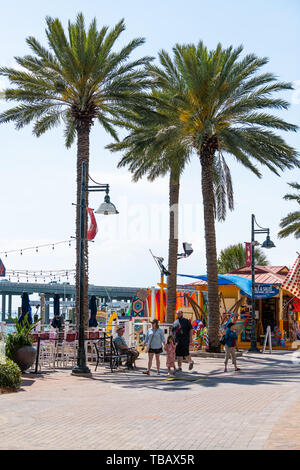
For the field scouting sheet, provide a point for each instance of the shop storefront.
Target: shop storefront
(274, 306)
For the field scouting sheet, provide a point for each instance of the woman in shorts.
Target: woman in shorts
(155, 339)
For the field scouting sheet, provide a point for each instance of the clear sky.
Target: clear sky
(38, 175)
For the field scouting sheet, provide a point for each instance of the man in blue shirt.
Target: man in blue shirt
(230, 344)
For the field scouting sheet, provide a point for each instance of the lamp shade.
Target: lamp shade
(107, 207)
(268, 243)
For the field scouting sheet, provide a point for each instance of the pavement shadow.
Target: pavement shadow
(269, 371)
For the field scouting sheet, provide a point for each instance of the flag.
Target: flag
(93, 229)
(248, 254)
(291, 282)
(188, 250)
(2, 269)
(161, 266)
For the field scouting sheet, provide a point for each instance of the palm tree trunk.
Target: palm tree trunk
(173, 246)
(206, 160)
(82, 156)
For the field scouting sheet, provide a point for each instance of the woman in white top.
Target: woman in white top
(155, 339)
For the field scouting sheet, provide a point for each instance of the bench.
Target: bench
(107, 352)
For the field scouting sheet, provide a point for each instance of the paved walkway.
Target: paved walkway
(257, 408)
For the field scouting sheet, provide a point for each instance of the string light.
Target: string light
(51, 275)
(36, 248)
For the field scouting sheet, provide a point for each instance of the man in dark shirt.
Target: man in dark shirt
(56, 321)
(183, 334)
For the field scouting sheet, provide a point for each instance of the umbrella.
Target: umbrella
(26, 308)
(93, 309)
(56, 304)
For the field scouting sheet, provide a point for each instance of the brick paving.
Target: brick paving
(257, 408)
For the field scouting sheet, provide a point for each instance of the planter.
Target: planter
(25, 357)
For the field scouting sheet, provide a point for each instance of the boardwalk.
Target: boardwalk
(257, 408)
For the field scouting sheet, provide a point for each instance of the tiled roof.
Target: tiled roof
(264, 274)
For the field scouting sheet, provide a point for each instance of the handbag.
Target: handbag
(149, 345)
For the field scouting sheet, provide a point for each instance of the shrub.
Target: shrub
(10, 375)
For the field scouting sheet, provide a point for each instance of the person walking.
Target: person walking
(170, 349)
(183, 334)
(154, 341)
(230, 345)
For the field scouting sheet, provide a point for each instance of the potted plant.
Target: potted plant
(19, 345)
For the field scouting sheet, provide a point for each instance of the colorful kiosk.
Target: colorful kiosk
(274, 305)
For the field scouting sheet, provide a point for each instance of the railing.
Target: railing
(135, 330)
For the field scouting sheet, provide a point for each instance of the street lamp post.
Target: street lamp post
(266, 244)
(105, 208)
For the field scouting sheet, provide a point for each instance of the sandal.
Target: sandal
(146, 372)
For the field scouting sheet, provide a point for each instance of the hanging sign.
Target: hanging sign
(263, 292)
(2, 269)
(248, 254)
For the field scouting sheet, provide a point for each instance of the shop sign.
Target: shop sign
(264, 292)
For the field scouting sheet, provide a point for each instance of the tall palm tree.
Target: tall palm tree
(78, 80)
(291, 223)
(234, 257)
(220, 105)
(148, 152)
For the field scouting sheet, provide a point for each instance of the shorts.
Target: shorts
(182, 350)
(155, 351)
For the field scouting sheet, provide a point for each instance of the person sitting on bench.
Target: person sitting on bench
(122, 348)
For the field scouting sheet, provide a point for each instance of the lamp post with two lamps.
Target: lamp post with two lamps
(266, 244)
(106, 208)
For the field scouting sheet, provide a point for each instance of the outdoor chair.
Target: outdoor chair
(69, 348)
(107, 352)
(115, 358)
(47, 353)
(90, 352)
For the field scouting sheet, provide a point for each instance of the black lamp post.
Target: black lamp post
(105, 208)
(266, 244)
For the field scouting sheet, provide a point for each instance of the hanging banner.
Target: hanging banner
(93, 229)
(137, 307)
(248, 254)
(2, 269)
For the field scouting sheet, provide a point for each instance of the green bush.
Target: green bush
(10, 375)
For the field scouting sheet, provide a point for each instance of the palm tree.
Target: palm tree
(234, 257)
(77, 81)
(147, 152)
(291, 223)
(220, 106)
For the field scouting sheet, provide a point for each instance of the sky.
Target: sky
(38, 175)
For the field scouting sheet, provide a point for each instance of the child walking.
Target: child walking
(170, 348)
